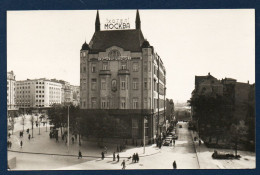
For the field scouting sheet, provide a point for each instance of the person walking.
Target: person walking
(118, 157)
(9, 135)
(123, 164)
(29, 136)
(133, 158)
(72, 139)
(102, 155)
(80, 155)
(21, 143)
(174, 165)
(114, 156)
(137, 157)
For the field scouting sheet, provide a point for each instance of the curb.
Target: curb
(71, 155)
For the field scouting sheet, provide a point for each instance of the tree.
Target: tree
(23, 121)
(32, 120)
(238, 132)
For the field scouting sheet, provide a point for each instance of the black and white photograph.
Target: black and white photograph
(131, 89)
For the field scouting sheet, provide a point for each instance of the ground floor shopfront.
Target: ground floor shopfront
(128, 124)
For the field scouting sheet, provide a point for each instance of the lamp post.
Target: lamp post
(68, 139)
(144, 132)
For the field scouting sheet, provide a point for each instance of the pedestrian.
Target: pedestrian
(114, 156)
(9, 134)
(133, 158)
(29, 136)
(57, 139)
(123, 164)
(8, 144)
(174, 165)
(80, 155)
(103, 155)
(137, 157)
(22, 133)
(21, 143)
(118, 157)
(27, 130)
(173, 142)
(72, 139)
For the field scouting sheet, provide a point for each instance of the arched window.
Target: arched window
(114, 54)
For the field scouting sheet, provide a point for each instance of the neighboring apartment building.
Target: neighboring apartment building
(121, 73)
(37, 93)
(11, 91)
(76, 95)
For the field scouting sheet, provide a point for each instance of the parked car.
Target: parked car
(167, 142)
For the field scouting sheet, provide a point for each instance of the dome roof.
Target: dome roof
(145, 44)
(85, 46)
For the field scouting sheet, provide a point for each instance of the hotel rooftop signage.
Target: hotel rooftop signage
(117, 24)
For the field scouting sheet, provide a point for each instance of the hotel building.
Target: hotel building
(123, 80)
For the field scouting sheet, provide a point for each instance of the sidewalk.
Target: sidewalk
(207, 162)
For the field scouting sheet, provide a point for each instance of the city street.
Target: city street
(184, 153)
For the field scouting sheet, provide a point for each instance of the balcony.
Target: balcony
(104, 72)
(123, 72)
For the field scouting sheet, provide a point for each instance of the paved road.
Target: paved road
(183, 153)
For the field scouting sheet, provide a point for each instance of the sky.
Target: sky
(46, 44)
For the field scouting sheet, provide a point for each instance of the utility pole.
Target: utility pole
(68, 129)
(144, 133)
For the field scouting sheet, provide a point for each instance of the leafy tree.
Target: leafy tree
(237, 133)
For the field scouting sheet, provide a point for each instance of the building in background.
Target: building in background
(37, 93)
(217, 105)
(66, 91)
(122, 79)
(76, 95)
(11, 91)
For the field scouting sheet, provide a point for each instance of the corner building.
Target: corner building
(122, 79)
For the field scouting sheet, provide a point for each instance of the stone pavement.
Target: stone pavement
(207, 162)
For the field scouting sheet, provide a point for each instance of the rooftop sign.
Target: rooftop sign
(117, 24)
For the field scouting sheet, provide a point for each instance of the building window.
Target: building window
(103, 103)
(93, 84)
(84, 69)
(135, 103)
(114, 54)
(135, 128)
(123, 85)
(105, 66)
(145, 66)
(123, 105)
(145, 103)
(123, 65)
(93, 102)
(135, 66)
(135, 83)
(103, 84)
(145, 84)
(93, 68)
(84, 54)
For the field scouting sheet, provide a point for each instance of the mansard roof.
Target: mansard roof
(129, 40)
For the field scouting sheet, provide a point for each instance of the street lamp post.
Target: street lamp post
(144, 132)
(68, 139)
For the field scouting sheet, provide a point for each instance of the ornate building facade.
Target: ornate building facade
(123, 79)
